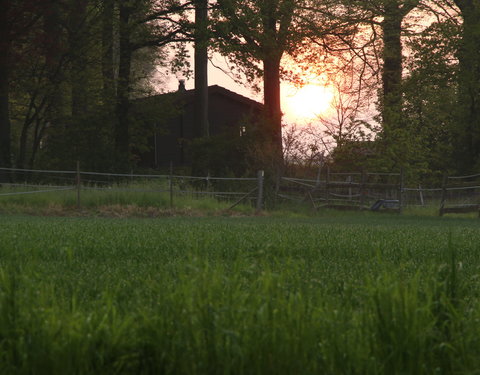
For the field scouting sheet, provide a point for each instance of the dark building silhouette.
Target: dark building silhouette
(228, 114)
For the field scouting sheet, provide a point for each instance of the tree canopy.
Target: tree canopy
(69, 71)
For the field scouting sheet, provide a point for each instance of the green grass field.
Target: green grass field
(144, 202)
(334, 294)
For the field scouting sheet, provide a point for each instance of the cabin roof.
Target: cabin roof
(189, 95)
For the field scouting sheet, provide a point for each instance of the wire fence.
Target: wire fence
(460, 194)
(346, 190)
(356, 190)
(235, 190)
(381, 191)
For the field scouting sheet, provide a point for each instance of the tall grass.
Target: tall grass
(140, 196)
(356, 294)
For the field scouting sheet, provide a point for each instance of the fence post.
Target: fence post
(444, 194)
(79, 184)
(208, 184)
(349, 180)
(278, 182)
(400, 192)
(422, 201)
(327, 182)
(362, 189)
(319, 174)
(260, 176)
(170, 178)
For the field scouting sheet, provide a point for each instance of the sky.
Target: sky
(299, 106)
(215, 77)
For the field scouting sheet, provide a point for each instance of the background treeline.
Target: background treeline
(69, 71)
(406, 74)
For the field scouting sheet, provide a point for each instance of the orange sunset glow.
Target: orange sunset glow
(307, 103)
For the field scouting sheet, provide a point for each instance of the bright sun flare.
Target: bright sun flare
(307, 103)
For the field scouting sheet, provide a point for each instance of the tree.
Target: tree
(256, 36)
(108, 65)
(201, 67)
(253, 32)
(16, 20)
(77, 68)
(430, 92)
(393, 12)
(389, 16)
(54, 83)
(468, 144)
(142, 24)
(383, 55)
(5, 56)
(79, 47)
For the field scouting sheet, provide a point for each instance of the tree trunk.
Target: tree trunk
(122, 136)
(468, 147)
(271, 92)
(22, 149)
(5, 141)
(201, 68)
(77, 42)
(53, 52)
(38, 134)
(108, 76)
(392, 65)
(5, 45)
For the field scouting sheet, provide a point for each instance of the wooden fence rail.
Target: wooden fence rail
(346, 191)
(454, 200)
(81, 181)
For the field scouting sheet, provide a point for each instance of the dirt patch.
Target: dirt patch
(115, 211)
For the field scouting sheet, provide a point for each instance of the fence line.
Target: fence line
(84, 173)
(28, 185)
(122, 175)
(298, 179)
(34, 192)
(125, 190)
(463, 187)
(458, 203)
(422, 189)
(347, 190)
(361, 190)
(463, 177)
(177, 184)
(357, 189)
(36, 170)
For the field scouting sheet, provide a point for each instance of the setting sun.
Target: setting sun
(306, 103)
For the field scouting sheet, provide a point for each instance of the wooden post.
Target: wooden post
(327, 182)
(422, 202)
(319, 174)
(349, 180)
(208, 185)
(170, 178)
(362, 189)
(312, 201)
(444, 194)
(79, 184)
(260, 176)
(400, 192)
(278, 182)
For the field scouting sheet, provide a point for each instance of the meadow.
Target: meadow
(137, 200)
(338, 293)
